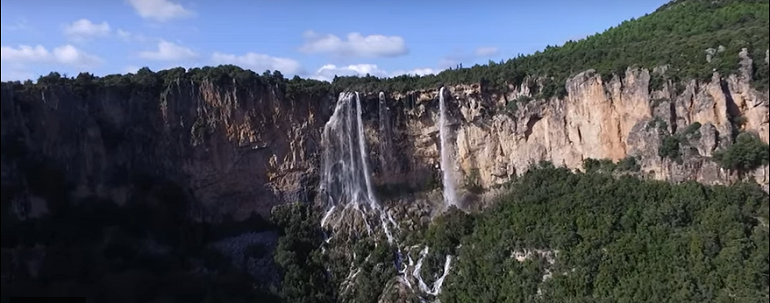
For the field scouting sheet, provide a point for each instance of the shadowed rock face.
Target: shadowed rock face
(235, 151)
(239, 151)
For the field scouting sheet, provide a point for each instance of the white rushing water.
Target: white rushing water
(436, 288)
(347, 189)
(345, 176)
(450, 197)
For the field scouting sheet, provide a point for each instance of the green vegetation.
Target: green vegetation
(627, 164)
(304, 279)
(678, 35)
(746, 154)
(618, 240)
(670, 144)
(147, 250)
(396, 190)
(148, 83)
(513, 105)
(615, 240)
(473, 181)
(304, 265)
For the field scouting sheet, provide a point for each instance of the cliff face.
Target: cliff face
(234, 151)
(239, 151)
(597, 119)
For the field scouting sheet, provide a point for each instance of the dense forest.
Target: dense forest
(610, 238)
(616, 240)
(146, 250)
(680, 35)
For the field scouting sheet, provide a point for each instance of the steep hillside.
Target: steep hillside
(681, 35)
(124, 187)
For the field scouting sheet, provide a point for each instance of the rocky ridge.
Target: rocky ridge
(243, 150)
(598, 119)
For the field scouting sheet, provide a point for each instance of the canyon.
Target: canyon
(238, 150)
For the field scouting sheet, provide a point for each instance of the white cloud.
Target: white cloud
(65, 54)
(417, 72)
(131, 37)
(168, 51)
(70, 55)
(160, 10)
(355, 45)
(486, 51)
(328, 71)
(259, 62)
(85, 29)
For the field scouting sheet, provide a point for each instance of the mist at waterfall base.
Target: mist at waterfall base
(350, 202)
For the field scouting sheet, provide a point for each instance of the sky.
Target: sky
(312, 39)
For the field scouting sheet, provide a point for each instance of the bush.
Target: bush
(746, 154)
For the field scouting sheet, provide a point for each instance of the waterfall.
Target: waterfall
(436, 289)
(446, 158)
(362, 152)
(345, 175)
(346, 188)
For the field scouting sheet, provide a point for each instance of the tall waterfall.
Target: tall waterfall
(345, 177)
(450, 197)
(350, 200)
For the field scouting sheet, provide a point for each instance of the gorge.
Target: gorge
(525, 189)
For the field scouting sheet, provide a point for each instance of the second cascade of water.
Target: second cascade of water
(450, 197)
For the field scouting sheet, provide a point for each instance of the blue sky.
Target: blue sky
(316, 39)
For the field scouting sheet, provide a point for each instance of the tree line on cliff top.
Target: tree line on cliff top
(678, 35)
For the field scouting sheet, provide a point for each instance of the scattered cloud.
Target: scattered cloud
(73, 56)
(65, 54)
(160, 10)
(418, 72)
(259, 62)
(487, 51)
(131, 37)
(354, 45)
(328, 71)
(168, 51)
(85, 29)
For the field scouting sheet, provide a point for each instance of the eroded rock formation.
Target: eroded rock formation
(239, 151)
(597, 119)
(235, 151)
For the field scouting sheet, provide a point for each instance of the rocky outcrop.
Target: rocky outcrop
(236, 151)
(243, 150)
(597, 119)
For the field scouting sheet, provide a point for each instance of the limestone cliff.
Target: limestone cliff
(238, 151)
(597, 119)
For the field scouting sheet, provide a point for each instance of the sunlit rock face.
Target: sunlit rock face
(241, 149)
(597, 119)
